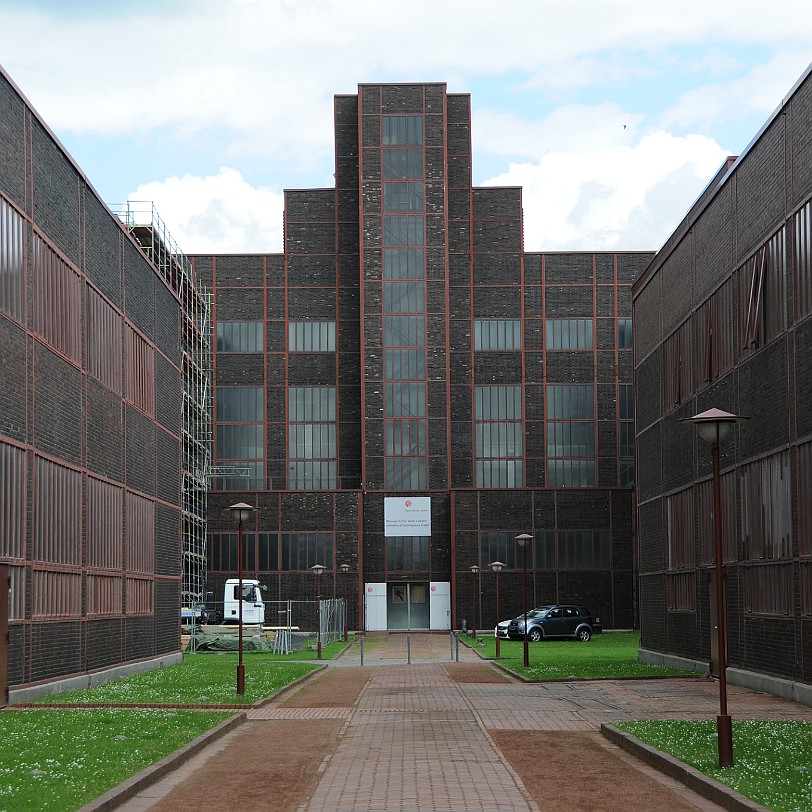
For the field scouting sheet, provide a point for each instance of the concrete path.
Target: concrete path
(417, 739)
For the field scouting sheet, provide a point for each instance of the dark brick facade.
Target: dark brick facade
(54, 412)
(761, 199)
(475, 268)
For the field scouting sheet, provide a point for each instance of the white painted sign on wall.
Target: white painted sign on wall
(407, 516)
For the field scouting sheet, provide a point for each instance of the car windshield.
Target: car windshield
(539, 612)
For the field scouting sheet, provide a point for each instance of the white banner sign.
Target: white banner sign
(407, 516)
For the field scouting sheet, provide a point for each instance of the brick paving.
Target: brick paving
(417, 740)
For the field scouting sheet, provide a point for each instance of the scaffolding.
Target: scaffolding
(150, 233)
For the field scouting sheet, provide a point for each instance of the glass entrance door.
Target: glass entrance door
(407, 606)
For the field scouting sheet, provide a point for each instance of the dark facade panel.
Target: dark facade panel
(140, 445)
(139, 295)
(57, 194)
(760, 189)
(13, 399)
(12, 134)
(58, 406)
(572, 301)
(105, 437)
(103, 249)
(239, 304)
(242, 270)
(571, 269)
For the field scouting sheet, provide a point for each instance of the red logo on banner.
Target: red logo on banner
(434, 589)
(408, 503)
(370, 589)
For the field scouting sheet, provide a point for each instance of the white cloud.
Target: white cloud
(760, 91)
(220, 213)
(622, 197)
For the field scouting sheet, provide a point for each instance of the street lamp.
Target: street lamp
(241, 512)
(345, 568)
(522, 541)
(497, 567)
(318, 569)
(715, 426)
(475, 572)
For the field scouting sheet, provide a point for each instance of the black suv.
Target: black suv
(553, 621)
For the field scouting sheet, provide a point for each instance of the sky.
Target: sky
(612, 115)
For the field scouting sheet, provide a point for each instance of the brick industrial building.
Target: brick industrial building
(405, 390)
(102, 409)
(723, 319)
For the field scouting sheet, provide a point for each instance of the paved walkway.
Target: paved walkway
(417, 739)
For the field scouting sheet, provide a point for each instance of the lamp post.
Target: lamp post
(497, 567)
(241, 511)
(715, 426)
(345, 568)
(318, 569)
(475, 572)
(522, 541)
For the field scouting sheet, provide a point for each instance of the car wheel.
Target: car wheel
(584, 635)
(535, 635)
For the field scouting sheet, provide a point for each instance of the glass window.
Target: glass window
(402, 130)
(407, 553)
(403, 263)
(301, 551)
(498, 436)
(311, 404)
(405, 399)
(625, 402)
(403, 229)
(312, 336)
(240, 442)
(624, 334)
(405, 437)
(240, 336)
(569, 334)
(570, 435)
(404, 331)
(406, 473)
(584, 549)
(403, 197)
(402, 164)
(239, 404)
(570, 402)
(497, 334)
(405, 365)
(312, 445)
(404, 297)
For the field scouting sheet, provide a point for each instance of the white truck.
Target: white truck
(253, 607)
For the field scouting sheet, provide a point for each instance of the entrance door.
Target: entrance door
(440, 600)
(375, 607)
(407, 606)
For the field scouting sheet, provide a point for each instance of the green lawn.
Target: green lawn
(62, 759)
(611, 655)
(197, 679)
(772, 760)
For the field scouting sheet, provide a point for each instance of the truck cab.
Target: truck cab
(253, 607)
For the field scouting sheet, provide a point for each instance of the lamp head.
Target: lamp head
(318, 569)
(714, 425)
(241, 511)
(523, 538)
(497, 566)
(475, 569)
(345, 568)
